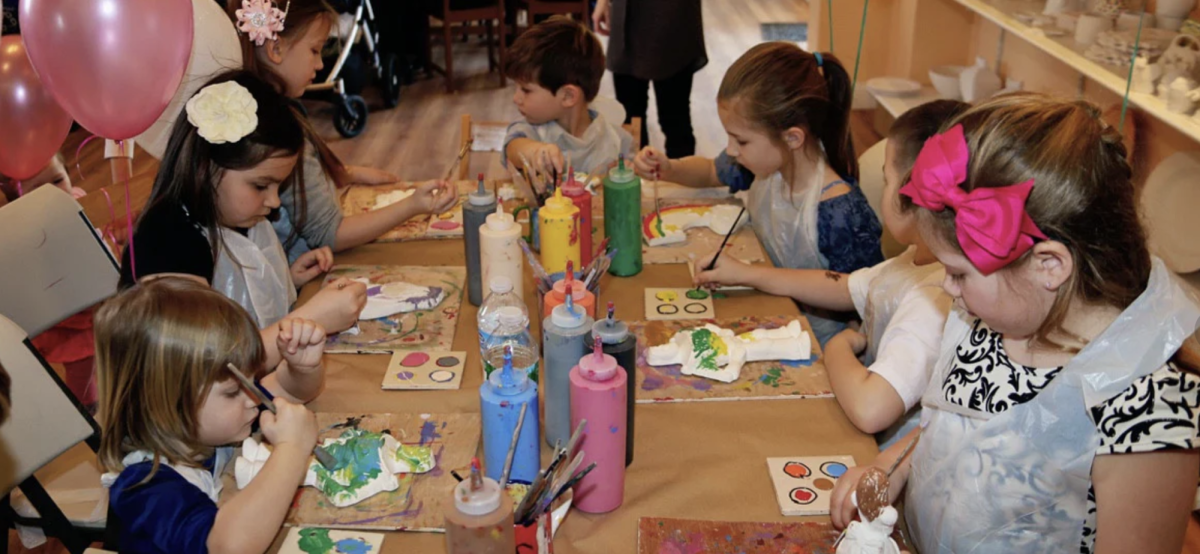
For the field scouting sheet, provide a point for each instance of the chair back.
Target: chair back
(870, 180)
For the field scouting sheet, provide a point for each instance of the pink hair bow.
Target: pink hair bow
(990, 223)
(261, 20)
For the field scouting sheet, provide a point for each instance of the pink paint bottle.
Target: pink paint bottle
(598, 394)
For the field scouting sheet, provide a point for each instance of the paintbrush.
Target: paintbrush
(512, 449)
(573, 481)
(539, 272)
(462, 153)
(535, 178)
(732, 229)
(325, 458)
(654, 185)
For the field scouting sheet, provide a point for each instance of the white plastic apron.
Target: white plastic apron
(887, 291)
(253, 271)
(786, 224)
(1018, 481)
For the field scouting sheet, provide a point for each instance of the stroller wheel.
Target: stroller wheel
(390, 83)
(351, 117)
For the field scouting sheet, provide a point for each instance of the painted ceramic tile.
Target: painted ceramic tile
(804, 485)
(425, 370)
(670, 304)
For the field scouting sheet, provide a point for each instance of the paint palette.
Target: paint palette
(674, 304)
(449, 224)
(315, 540)
(803, 486)
(424, 370)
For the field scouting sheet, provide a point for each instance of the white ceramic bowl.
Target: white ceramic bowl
(945, 79)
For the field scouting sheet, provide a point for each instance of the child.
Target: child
(55, 174)
(1056, 420)
(207, 214)
(170, 411)
(557, 65)
(287, 54)
(787, 116)
(900, 300)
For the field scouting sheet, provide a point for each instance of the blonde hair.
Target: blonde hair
(160, 347)
(1083, 195)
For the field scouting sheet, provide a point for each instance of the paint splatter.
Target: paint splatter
(613, 429)
(802, 495)
(350, 423)
(358, 463)
(441, 376)
(447, 361)
(796, 470)
(353, 546)
(315, 541)
(445, 225)
(706, 347)
(823, 484)
(667, 296)
(697, 294)
(833, 469)
(404, 375)
(429, 433)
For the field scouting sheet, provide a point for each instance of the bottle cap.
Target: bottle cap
(506, 380)
(621, 174)
(610, 332)
(478, 502)
(480, 197)
(578, 293)
(567, 315)
(501, 284)
(500, 221)
(558, 203)
(597, 366)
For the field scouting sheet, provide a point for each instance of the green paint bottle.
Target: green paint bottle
(623, 219)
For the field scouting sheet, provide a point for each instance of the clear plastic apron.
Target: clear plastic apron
(253, 271)
(1018, 481)
(786, 224)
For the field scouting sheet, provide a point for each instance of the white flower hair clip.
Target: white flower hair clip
(223, 113)
(261, 20)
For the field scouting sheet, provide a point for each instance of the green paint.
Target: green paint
(706, 346)
(419, 458)
(315, 541)
(719, 295)
(358, 463)
(772, 378)
(696, 294)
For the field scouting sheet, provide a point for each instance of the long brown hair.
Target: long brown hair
(160, 347)
(779, 86)
(301, 14)
(1083, 195)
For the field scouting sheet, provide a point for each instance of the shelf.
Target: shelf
(1065, 50)
(897, 105)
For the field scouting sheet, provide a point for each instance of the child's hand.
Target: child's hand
(854, 339)
(310, 264)
(360, 175)
(292, 424)
(301, 343)
(651, 164)
(336, 306)
(548, 156)
(728, 271)
(435, 197)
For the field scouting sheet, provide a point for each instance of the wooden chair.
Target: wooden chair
(465, 13)
(870, 180)
(577, 9)
(44, 434)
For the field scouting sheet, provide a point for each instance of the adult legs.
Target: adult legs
(673, 98)
(634, 94)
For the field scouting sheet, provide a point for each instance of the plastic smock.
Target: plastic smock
(1018, 481)
(253, 271)
(786, 224)
(887, 290)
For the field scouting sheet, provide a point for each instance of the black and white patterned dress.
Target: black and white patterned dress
(1159, 411)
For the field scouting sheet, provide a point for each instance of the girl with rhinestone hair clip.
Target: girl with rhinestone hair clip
(1057, 419)
(281, 44)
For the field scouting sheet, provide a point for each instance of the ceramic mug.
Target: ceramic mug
(1090, 26)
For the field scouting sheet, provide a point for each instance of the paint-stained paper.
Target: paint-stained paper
(426, 330)
(665, 535)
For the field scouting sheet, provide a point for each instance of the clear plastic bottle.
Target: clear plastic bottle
(501, 298)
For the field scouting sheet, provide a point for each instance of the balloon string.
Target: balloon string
(1137, 41)
(129, 222)
(20, 192)
(830, 26)
(862, 32)
(112, 217)
(78, 151)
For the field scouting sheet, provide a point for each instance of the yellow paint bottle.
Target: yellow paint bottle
(559, 233)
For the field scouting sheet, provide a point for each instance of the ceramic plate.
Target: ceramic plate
(1169, 202)
(893, 86)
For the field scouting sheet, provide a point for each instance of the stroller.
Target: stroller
(344, 79)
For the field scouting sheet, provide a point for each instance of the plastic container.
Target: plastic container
(502, 298)
(563, 335)
(481, 521)
(480, 204)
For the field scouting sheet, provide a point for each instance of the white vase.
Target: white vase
(1175, 8)
(978, 82)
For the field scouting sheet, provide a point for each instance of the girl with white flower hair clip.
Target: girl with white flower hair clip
(289, 57)
(207, 217)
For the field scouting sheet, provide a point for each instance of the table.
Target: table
(698, 460)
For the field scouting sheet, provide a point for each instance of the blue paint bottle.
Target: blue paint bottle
(501, 398)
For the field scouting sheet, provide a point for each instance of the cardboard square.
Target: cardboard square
(418, 370)
(314, 540)
(674, 304)
(804, 485)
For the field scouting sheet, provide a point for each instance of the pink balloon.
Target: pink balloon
(34, 126)
(112, 64)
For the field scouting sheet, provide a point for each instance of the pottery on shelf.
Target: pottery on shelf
(978, 82)
(1177, 95)
(1145, 75)
(947, 81)
(1060, 6)
(1090, 26)
(1180, 59)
